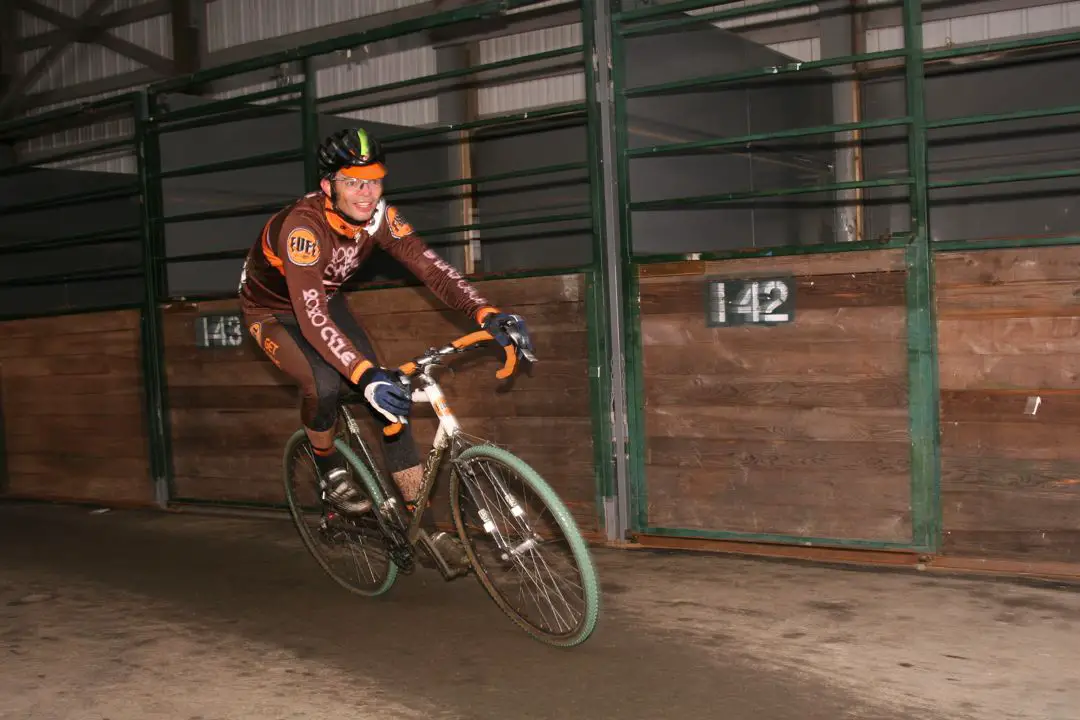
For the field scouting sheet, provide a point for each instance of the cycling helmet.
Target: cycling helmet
(352, 152)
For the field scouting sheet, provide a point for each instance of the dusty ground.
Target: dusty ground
(139, 616)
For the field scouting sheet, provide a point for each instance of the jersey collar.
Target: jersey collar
(342, 226)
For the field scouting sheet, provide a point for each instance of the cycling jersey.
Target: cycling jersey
(308, 250)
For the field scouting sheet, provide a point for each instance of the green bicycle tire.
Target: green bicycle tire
(392, 569)
(566, 523)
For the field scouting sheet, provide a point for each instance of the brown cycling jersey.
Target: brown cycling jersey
(307, 251)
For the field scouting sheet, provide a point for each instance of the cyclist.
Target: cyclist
(292, 308)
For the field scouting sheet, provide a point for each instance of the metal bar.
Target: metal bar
(768, 7)
(994, 47)
(663, 8)
(724, 198)
(219, 214)
(273, 158)
(541, 220)
(794, 66)
(619, 249)
(309, 125)
(606, 311)
(446, 75)
(568, 109)
(153, 345)
(779, 538)
(1003, 117)
(81, 110)
(475, 11)
(530, 172)
(113, 273)
(67, 155)
(757, 137)
(206, 257)
(222, 106)
(247, 113)
(98, 237)
(997, 179)
(74, 199)
(921, 323)
(1005, 243)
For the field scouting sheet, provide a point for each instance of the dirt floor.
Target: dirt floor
(139, 615)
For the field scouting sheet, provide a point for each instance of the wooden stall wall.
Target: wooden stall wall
(74, 418)
(798, 429)
(1009, 339)
(232, 410)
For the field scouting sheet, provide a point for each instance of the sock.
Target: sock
(326, 459)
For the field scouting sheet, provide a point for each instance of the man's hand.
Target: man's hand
(510, 329)
(386, 393)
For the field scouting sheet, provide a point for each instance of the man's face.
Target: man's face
(356, 198)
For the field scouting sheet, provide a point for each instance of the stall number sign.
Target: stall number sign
(750, 301)
(219, 331)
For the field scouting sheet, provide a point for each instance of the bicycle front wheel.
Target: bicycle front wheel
(524, 545)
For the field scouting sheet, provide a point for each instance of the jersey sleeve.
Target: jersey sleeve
(304, 262)
(398, 238)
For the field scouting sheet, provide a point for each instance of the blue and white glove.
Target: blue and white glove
(386, 393)
(510, 329)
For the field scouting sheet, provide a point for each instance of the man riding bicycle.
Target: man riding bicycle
(291, 306)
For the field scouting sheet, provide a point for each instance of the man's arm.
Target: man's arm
(397, 237)
(304, 264)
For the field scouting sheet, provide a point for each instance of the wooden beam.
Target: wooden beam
(187, 32)
(107, 21)
(89, 31)
(14, 97)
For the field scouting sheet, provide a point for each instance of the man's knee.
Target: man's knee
(321, 397)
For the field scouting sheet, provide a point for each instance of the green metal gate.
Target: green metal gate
(634, 21)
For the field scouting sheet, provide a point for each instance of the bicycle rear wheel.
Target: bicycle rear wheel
(524, 545)
(351, 549)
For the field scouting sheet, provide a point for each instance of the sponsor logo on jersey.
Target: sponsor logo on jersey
(256, 332)
(459, 282)
(399, 226)
(303, 247)
(343, 262)
(334, 340)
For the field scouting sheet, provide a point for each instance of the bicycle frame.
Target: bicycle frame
(419, 371)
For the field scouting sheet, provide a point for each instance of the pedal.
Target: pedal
(433, 553)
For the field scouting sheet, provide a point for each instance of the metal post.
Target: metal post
(611, 260)
(149, 162)
(922, 340)
(309, 125)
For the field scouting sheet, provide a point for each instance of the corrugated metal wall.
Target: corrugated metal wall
(234, 22)
(82, 62)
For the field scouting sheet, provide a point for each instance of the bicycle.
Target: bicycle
(390, 525)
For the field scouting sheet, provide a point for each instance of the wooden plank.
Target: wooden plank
(82, 487)
(116, 343)
(811, 502)
(817, 264)
(1060, 407)
(512, 294)
(996, 267)
(973, 473)
(853, 424)
(88, 366)
(791, 362)
(1013, 510)
(63, 463)
(1029, 545)
(966, 371)
(60, 325)
(836, 325)
(687, 294)
(1019, 440)
(852, 460)
(1040, 298)
(1010, 336)
(747, 391)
